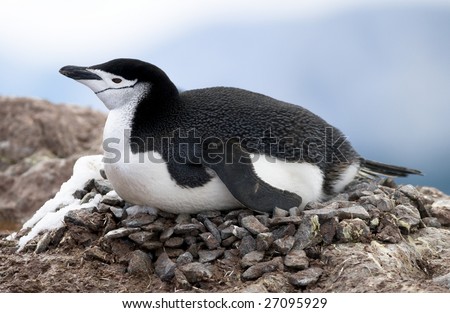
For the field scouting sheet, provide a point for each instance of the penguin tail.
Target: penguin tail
(374, 169)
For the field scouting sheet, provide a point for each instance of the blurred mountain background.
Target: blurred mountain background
(379, 72)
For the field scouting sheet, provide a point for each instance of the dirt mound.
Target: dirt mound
(39, 144)
(374, 237)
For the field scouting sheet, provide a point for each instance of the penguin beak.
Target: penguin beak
(78, 73)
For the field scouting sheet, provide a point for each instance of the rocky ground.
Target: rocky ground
(39, 144)
(375, 237)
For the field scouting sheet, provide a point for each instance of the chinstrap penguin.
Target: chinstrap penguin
(215, 148)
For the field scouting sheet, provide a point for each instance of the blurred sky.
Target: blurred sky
(378, 70)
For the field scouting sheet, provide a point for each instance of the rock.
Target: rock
(210, 240)
(142, 237)
(88, 197)
(184, 258)
(43, 243)
(252, 258)
(388, 230)
(305, 277)
(252, 224)
(119, 213)
(277, 212)
(276, 221)
(166, 234)
(296, 259)
(103, 186)
(295, 211)
(328, 230)
(141, 210)
(431, 222)
(353, 212)
(408, 217)
(140, 264)
(380, 202)
(257, 270)
(264, 241)
(308, 233)
(165, 267)
(248, 244)
(79, 193)
(183, 229)
(181, 280)
(443, 280)
(212, 228)
(283, 231)
(120, 232)
(239, 232)
(322, 214)
(441, 210)
(284, 245)
(209, 255)
(196, 272)
(138, 220)
(95, 253)
(152, 245)
(174, 242)
(353, 230)
(91, 220)
(89, 185)
(229, 241)
(410, 191)
(112, 199)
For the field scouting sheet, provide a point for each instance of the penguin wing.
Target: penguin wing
(234, 167)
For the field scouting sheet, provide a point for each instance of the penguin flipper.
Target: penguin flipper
(236, 171)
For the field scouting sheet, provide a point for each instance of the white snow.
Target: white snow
(51, 215)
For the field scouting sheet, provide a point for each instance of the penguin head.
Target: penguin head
(120, 81)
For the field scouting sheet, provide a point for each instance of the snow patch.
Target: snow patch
(51, 215)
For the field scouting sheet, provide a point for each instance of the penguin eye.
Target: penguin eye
(116, 80)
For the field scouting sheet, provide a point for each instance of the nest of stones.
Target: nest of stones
(236, 245)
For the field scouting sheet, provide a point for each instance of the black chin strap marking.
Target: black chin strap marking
(116, 88)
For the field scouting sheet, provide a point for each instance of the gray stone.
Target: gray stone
(296, 259)
(431, 222)
(89, 185)
(152, 245)
(103, 208)
(119, 213)
(139, 209)
(283, 231)
(305, 277)
(353, 230)
(353, 212)
(181, 281)
(229, 241)
(88, 197)
(248, 244)
(156, 227)
(308, 233)
(182, 229)
(196, 272)
(257, 270)
(210, 241)
(284, 245)
(165, 267)
(166, 234)
(263, 219)
(252, 258)
(379, 201)
(408, 217)
(79, 193)
(388, 230)
(295, 211)
(441, 210)
(209, 255)
(103, 186)
(277, 212)
(208, 214)
(95, 253)
(410, 191)
(328, 230)
(227, 232)
(212, 228)
(276, 221)
(443, 280)
(253, 225)
(174, 242)
(84, 217)
(239, 232)
(140, 264)
(141, 237)
(322, 214)
(112, 200)
(43, 243)
(185, 258)
(120, 232)
(138, 220)
(264, 241)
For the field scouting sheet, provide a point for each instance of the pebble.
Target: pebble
(96, 253)
(305, 277)
(408, 217)
(322, 214)
(308, 233)
(174, 242)
(277, 212)
(181, 280)
(253, 225)
(166, 234)
(89, 185)
(183, 218)
(283, 231)
(353, 230)
(252, 258)
(152, 245)
(296, 259)
(441, 210)
(196, 272)
(284, 245)
(184, 258)
(140, 264)
(120, 232)
(276, 221)
(328, 230)
(257, 270)
(239, 232)
(165, 267)
(443, 280)
(210, 241)
(79, 193)
(43, 243)
(431, 222)
(88, 197)
(212, 228)
(119, 213)
(248, 244)
(264, 241)
(112, 199)
(205, 256)
(138, 220)
(182, 229)
(103, 186)
(353, 212)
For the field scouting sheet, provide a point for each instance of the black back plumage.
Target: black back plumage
(176, 124)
